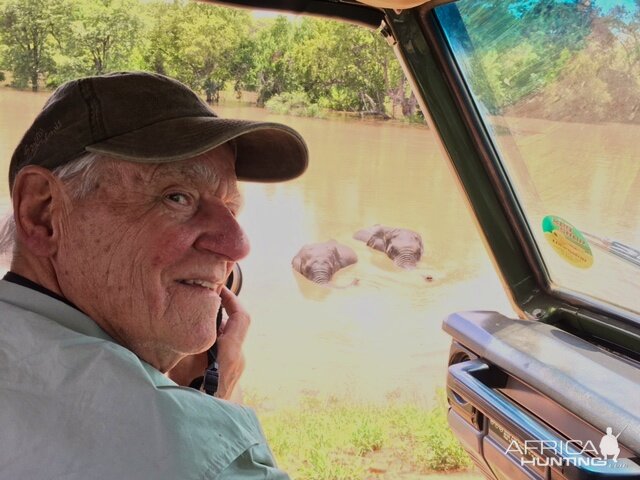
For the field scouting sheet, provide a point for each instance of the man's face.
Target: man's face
(146, 255)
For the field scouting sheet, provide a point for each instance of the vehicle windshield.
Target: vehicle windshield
(372, 334)
(557, 84)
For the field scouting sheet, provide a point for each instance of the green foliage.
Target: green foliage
(368, 436)
(513, 73)
(331, 438)
(343, 67)
(101, 38)
(579, 75)
(294, 103)
(427, 440)
(322, 466)
(272, 71)
(202, 45)
(30, 31)
(527, 57)
(560, 60)
(514, 41)
(337, 66)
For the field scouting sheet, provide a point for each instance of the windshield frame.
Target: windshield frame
(510, 201)
(537, 293)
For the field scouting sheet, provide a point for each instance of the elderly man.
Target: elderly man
(125, 199)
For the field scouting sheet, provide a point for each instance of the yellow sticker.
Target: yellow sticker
(567, 241)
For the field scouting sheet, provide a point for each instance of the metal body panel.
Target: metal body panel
(598, 386)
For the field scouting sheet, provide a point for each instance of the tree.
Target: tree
(273, 72)
(343, 66)
(158, 43)
(101, 38)
(200, 45)
(624, 28)
(30, 31)
(519, 47)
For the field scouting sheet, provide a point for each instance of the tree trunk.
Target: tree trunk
(34, 67)
(409, 106)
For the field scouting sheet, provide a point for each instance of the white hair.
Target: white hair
(80, 176)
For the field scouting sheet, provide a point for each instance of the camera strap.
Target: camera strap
(211, 375)
(208, 383)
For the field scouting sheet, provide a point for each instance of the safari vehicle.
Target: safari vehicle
(536, 104)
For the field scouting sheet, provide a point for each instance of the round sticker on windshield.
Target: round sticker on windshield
(567, 241)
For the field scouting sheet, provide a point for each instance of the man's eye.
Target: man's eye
(179, 198)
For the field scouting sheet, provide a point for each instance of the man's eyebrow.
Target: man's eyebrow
(196, 172)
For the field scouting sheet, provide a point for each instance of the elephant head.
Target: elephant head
(401, 245)
(319, 261)
(404, 247)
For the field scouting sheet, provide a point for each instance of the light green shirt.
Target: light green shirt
(76, 405)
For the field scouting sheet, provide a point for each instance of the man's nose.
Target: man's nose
(222, 234)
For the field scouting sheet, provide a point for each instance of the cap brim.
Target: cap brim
(266, 152)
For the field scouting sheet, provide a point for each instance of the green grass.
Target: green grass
(343, 440)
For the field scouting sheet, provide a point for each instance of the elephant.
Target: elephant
(319, 261)
(402, 246)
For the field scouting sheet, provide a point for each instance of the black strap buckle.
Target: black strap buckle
(209, 382)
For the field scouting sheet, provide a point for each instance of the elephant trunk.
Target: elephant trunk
(319, 272)
(321, 276)
(407, 258)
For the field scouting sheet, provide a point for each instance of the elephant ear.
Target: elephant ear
(363, 235)
(366, 233)
(346, 256)
(378, 239)
(296, 263)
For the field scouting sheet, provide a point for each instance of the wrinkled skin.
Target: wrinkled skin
(402, 246)
(319, 261)
(145, 254)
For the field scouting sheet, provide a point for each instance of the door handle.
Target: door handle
(537, 439)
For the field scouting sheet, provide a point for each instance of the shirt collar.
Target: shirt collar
(25, 282)
(50, 306)
(63, 313)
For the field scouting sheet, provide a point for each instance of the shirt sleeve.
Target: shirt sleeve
(255, 463)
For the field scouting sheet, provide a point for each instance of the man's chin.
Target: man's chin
(201, 335)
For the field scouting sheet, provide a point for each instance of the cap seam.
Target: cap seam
(95, 119)
(156, 123)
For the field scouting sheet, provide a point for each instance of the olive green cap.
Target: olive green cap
(150, 118)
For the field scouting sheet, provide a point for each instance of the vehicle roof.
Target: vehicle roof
(368, 13)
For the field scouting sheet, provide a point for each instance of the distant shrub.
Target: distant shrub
(294, 103)
(417, 118)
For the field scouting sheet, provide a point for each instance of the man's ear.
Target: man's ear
(37, 198)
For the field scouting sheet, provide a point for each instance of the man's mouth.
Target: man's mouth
(200, 283)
